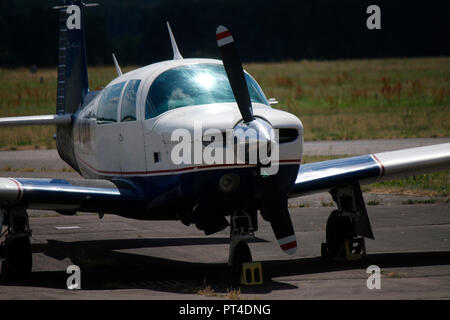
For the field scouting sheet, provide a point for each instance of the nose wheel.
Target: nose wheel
(241, 254)
(241, 231)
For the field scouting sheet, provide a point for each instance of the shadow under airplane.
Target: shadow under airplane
(105, 268)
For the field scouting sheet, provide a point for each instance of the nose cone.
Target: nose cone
(256, 138)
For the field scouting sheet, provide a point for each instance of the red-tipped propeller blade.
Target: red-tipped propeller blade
(235, 72)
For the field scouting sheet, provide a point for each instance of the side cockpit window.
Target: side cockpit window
(109, 102)
(128, 109)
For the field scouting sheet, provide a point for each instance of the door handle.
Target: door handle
(120, 137)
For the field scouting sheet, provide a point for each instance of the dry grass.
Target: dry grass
(207, 291)
(232, 294)
(432, 184)
(25, 93)
(392, 274)
(354, 99)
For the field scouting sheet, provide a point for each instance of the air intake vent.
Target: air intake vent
(288, 135)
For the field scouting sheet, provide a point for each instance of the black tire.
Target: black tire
(324, 251)
(241, 254)
(339, 228)
(18, 262)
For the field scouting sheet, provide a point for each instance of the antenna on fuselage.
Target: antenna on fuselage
(176, 53)
(119, 71)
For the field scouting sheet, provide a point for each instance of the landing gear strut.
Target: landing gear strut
(15, 250)
(241, 229)
(347, 226)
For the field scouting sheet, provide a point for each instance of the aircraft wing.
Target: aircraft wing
(70, 195)
(119, 195)
(365, 169)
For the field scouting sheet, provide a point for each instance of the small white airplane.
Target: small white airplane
(119, 139)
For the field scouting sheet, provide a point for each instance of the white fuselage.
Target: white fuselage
(143, 147)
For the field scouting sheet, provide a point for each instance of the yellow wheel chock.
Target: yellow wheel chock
(251, 273)
(355, 249)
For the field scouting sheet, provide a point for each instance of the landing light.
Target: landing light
(229, 182)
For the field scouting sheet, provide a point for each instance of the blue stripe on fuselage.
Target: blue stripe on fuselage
(177, 189)
(156, 197)
(325, 175)
(41, 182)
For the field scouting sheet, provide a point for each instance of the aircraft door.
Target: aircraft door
(157, 158)
(106, 143)
(130, 136)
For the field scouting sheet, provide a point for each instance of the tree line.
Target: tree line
(264, 30)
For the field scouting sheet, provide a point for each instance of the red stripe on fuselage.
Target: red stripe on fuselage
(295, 161)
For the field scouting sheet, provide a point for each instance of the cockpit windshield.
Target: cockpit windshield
(193, 85)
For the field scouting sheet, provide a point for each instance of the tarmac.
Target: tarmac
(129, 259)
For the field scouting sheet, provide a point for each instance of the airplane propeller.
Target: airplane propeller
(235, 72)
(275, 210)
(274, 207)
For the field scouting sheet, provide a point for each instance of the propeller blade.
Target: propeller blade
(284, 231)
(235, 72)
(275, 210)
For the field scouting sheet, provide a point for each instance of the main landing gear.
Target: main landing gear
(15, 250)
(242, 229)
(342, 242)
(347, 226)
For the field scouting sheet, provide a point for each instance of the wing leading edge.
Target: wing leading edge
(69, 195)
(366, 169)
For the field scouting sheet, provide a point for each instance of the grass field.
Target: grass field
(25, 93)
(363, 99)
(345, 99)
(434, 184)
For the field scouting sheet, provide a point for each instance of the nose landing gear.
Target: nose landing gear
(241, 230)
